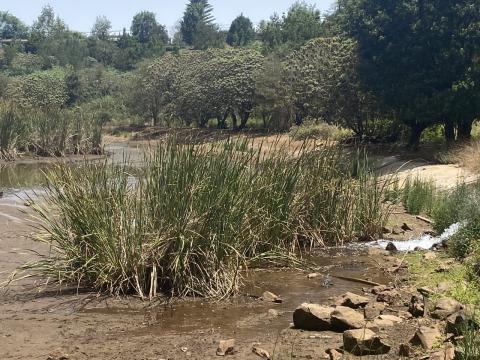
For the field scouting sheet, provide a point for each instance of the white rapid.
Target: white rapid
(424, 242)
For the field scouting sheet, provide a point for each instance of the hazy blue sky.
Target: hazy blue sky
(81, 14)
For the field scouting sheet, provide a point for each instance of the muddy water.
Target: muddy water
(246, 315)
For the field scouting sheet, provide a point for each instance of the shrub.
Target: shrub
(418, 196)
(319, 130)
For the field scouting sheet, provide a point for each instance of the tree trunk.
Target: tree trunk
(449, 132)
(244, 119)
(221, 119)
(415, 135)
(465, 130)
(234, 120)
(298, 119)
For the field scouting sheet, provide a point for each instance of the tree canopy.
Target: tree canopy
(241, 32)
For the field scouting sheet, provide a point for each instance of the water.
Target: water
(425, 242)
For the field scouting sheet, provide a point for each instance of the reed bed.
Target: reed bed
(47, 132)
(194, 217)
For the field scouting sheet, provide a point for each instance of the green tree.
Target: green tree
(302, 23)
(414, 54)
(271, 32)
(151, 36)
(11, 27)
(241, 32)
(101, 29)
(197, 16)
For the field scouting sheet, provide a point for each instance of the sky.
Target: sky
(81, 14)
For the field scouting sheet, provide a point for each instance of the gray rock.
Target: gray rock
(391, 247)
(312, 317)
(362, 342)
(271, 297)
(388, 296)
(446, 353)
(373, 309)
(456, 323)
(352, 300)
(226, 347)
(344, 318)
(427, 337)
(446, 307)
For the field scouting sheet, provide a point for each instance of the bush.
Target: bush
(319, 130)
(195, 215)
(418, 196)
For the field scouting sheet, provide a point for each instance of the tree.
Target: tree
(207, 36)
(11, 27)
(101, 29)
(271, 32)
(197, 15)
(413, 54)
(47, 25)
(302, 23)
(241, 32)
(151, 36)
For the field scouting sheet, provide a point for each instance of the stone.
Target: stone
(373, 309)
(446, 307)
(416, 306)
(397, 231)
(362, 342)
(406, 227)
(404, 314)
(312, 317)
(344, 318)
(457, 322)
(313, 275)
(334, 354)
(380, 288)
(271, 297)
(391, 247)
(378, 324)
(388, 296)
(392, 318)
(446, 353)
(352, 300)
(404, 350)
(264, 354)
(444, 286)
(427, 337)
(226, 347)
(385, 230)
(430, 255)
(274, 313)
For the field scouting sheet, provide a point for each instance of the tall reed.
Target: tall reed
(194, 215)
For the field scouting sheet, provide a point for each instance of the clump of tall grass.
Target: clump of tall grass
(319, 130)
(48, 132)
(195, 215)
(418, 196)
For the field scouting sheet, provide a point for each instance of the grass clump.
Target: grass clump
(194, 216)
(418, 196)
(319, 130)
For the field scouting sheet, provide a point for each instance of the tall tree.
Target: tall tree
(241, 32)
(415, 55)
(11, 27)
(198, 14)
(102, 27)
(146, 29)
(302, 23)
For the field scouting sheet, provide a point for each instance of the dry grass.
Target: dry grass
(468, 156)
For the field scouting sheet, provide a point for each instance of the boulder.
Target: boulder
(392, 318)
(373, 309)
(397, 231)
(313, 275)
(388, 296)
(416, 306)
(271, 297)
(446, 353)
(391, 247)
(334, 354)
(344, 318)
(380, 288)
(427, 337)
(352, 300)
(264, 354)
(364, 342)
(446, 307)
(312, 317)
(457, 322)
(379, 324)
(406, 227)
(226, 347)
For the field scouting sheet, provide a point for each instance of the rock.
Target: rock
(385, 230)
(397, 231)
(274, 313)
(429, 255)
(427, 337)
(378, 324)
(344, 318)
(442, 268)
(392, 318)
(364, 342)
(406, 227)
(426, 291)
(446, 307)
(264, 354)
(313, 275)
(271, 297)
(416, 307)
(352, 300)
(388, 296)
(391, 247)
(380, 288)
(457, 322)
(377, 252)
(226, 347)
(447, 353)
(444, 286)
(327, 281)
(404, 314)
(312, 317)
(334, 354)
(373, 309)
(404, 350)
